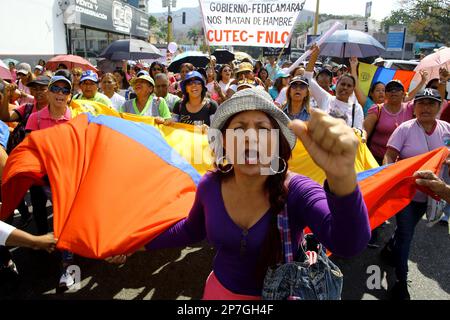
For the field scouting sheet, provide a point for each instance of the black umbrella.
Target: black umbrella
(130, 49)
(223, 56)
(198, 59)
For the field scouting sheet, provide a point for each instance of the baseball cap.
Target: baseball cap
(394, 84)
(23, 68)
(299, 79)
(281, 74)
(55, 79)
(143, 77)
(428, 93)
(40, 80)
(40, 68)
(142, 73)
(325, 70)
(89, 75)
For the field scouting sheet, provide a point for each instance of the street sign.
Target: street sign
(368, 9)
(396, 38)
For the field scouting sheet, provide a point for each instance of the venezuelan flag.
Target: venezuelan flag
(369, 74)
(117, 184)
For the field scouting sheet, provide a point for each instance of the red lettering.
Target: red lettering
(260, 35)
(269, 37)
(246, 37)
(227, 33)
(217, 33)
(284, 37)
(235, 35)
(209, 35)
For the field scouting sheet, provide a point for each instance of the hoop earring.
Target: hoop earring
(221, 168)
(284, 166)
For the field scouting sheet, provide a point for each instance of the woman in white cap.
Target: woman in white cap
(410, 139)
(25, 76)
(237, 205)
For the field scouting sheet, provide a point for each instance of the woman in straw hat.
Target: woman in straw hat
(237, 204)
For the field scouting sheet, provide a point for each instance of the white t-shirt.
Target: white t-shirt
(350, 111)
(117, 101)
(225, 86)
(5, 231)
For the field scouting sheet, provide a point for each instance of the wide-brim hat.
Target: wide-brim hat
(252, 99)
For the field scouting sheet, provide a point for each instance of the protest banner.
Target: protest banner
(249, 22)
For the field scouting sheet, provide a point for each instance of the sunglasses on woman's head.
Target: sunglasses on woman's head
(63, 90)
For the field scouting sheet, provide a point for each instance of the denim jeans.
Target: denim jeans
(400, 243)
(300, 281)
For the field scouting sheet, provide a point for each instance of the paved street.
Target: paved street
(180, 274)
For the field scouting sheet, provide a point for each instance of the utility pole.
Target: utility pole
(169, 22)
(316, 19)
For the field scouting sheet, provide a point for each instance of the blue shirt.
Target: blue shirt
(369, 103)
(303, 115)
(273, 92)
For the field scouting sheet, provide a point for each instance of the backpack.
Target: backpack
(18, 133)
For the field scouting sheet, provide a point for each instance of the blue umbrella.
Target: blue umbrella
(351, 43)
(130, 49)
(198, 59)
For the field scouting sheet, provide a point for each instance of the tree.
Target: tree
(428, 20)
(193, 35)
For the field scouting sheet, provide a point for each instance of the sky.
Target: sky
(380, 8)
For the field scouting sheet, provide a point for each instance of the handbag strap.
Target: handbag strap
(285, 232)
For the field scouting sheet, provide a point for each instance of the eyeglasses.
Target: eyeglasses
(196, 82)
(156, 69)
(108, 82)
(63, 90)
(76, 74)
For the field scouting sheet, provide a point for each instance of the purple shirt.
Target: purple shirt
(411, 140)
(341, 224)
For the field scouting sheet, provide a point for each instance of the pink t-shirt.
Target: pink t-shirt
(411, 140)
(387, 123)
(21, 110)
(43, 120)
(25, 89)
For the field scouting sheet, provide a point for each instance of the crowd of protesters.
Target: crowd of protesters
(392, 121)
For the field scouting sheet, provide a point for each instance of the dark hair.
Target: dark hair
(186, 94)
(430, 83)
(219, 75)
(372, 88)
(271, 252)
(124, 84)
(61, 66)
(279, 84)
(262, 70)
(65, 73)
(347, 75)
(159, 64)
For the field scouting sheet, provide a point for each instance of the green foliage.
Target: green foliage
(428, 20)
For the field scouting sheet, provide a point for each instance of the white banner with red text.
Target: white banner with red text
(255, 23)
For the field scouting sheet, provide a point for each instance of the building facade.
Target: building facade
(83, 27)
